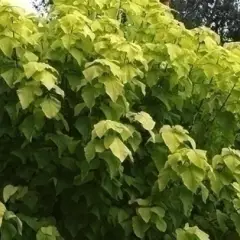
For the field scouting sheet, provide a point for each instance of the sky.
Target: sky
(26, 4)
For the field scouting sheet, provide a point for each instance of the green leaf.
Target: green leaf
(199, 233)
(75, 82)
(32, 67)
(113, 163)
(8, 191)
(174, 51)
(122, 216)
(78, 108)
(198, 158)
(113, 88)
(139, 227)
(47, 233)
(93, 72)
(83, 125)
(129, 73)
(113, 67)
(12, 76)
(161, 225)
(145, 119)
(90, 151)
(183, 235)
(192, 178)
(30, 221)
(78, 55)
(232, 162)
(119, 149)
(27, 127)
(175, 136)
(190, 233)
(58, 91)
(6, 45)
(8, 231)
(222, 219)
(31, 57)
(135, 141)
(88, 95)
(205, 193)
(2, 212)
(186, 197)
(160, 212)
(101, 128)
(46, 78)
(26, 96)
(236, 220)
(141, 85)
(145, 214)
(51, 107)
(11, 216)
(63, 142)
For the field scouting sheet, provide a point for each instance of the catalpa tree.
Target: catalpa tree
(105, 109)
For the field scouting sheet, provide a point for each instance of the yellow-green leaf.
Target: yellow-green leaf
(119, 149)
(26, 96)
(46, 78)
(145, 213)
(51, 106)
(6, 45)
(113, 88)
(8, 191)
(2, 211)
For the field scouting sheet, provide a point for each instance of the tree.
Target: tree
(222, 16)
(115, 128)
(42, 5)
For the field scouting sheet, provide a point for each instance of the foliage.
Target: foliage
(100, 107)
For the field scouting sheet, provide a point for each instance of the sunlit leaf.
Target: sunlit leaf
(51, 107)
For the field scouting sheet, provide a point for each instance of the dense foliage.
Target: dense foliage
(222, 16)
(97, 108)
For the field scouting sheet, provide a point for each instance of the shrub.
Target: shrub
(98, 104)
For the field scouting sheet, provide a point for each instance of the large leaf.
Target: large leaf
(192, 177)
(47, 233)
(120, 150)
(145, 119)
(139, 227)
(190, 233)
(90, 151)
(51, 106)
(8, 191)
(26, 96)
(11, 216)
(187, 200)
(88, 95)
(78, 55)
(101, 128)
(145, 214)
(2, 211)
(32, 67)
(12, 76)
(6, 45)
(113, 88)
(27, 127)
(92, 72)
(113, 163)
(46, 78)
